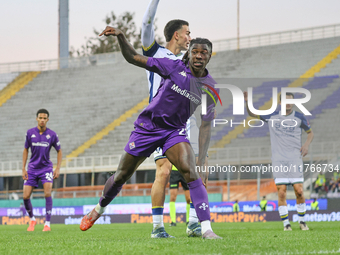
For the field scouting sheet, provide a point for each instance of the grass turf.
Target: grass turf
(239, 238)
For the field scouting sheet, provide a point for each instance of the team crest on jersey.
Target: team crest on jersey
(204, 206)
(183, 73)
(48, 136)
(33, 136)
(132, 145)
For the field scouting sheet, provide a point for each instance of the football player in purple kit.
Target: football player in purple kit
(163, 124)
(40, 139)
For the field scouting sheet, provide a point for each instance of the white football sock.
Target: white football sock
(283, 211)
(192, 216)
(205, 225)
(301, 210)
(99, 209)
(157, 221)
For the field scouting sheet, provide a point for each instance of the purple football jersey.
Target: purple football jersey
(40, 147)
(177, 97)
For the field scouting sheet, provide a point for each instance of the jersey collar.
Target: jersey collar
(37, 129)
(292, 113)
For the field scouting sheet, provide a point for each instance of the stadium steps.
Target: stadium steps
(323, 92)
(288, 60)
(6, 78)
(229, 63)
(104, 132)
(16, 85)
(81, 102)
(297, 83)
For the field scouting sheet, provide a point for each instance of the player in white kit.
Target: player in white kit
(287, 152)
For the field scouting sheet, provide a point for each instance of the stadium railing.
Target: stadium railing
(325, 151)
(290, 36)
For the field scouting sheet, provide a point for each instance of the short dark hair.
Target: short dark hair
(172, 26)
(43, 111)
(199, 40)
(287, 94)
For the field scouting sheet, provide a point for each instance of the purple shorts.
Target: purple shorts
(45, 175)
(143, 143)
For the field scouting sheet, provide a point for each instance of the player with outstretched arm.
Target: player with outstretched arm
(163, 124)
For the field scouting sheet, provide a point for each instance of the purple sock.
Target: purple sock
(110, 191)
(48, 208)
(28, 207)
(199, 198)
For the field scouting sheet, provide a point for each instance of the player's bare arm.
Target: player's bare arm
(203, 141)
(245, 93)
(56, 172)
(128, 51)
(305, 146)
(24, 160)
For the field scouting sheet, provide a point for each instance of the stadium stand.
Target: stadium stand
(93, 108)
(81, 103)
(285, 57)
(6, 78)
(17, 84)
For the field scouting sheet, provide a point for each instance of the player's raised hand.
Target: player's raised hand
(56, 173)
(304, 150)
(111, 31)
(24, 174)
(245, 93)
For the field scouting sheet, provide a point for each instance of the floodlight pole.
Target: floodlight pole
(63, 34)
(238, 25)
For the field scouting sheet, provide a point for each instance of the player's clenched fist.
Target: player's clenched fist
(111, 31)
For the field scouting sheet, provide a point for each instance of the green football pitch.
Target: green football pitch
(238, 238)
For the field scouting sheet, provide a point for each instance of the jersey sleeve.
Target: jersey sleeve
(211, 103)
(151, 50)
(27, 141)
(162, 66)
(305, 124)
(56, 143)
(149, 45)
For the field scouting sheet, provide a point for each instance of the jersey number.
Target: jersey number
(49, 176)
(182, 132)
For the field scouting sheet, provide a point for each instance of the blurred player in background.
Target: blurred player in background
(286, 152)
(40, 139)
(236, 206)
(162, 126)
(315, 205)
(175, 179)
(177, 36)
(263, 204)
(22, 209)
